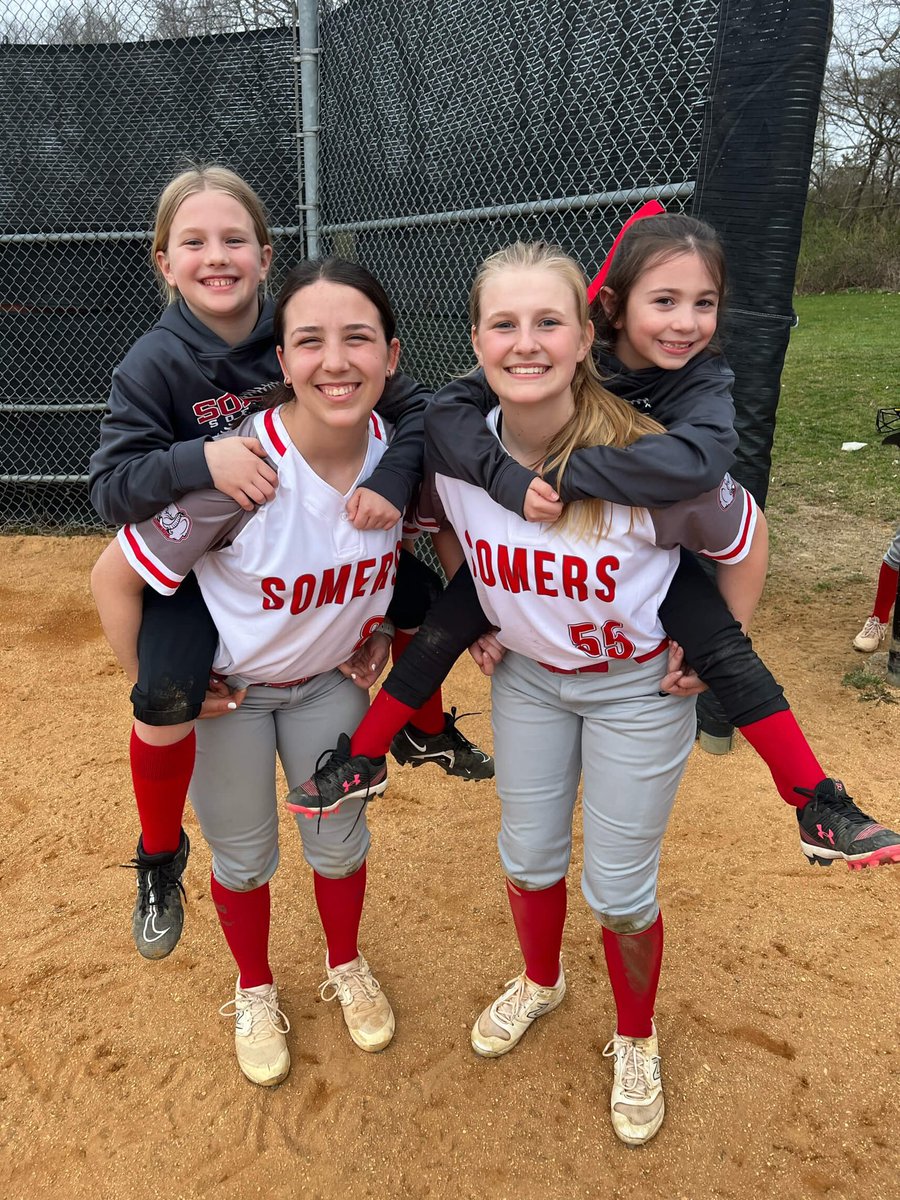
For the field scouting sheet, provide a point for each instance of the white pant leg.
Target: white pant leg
(331, 704)
(892, 556)
(635, 745)
(233, 785)
(537, 761)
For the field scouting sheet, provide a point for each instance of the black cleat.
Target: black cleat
(449, 750)
(158, 917)
(341, 777)
(831, 826)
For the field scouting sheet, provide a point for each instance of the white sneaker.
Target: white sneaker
(870, 636)
(367, 1011)
(503, 1023)
(637, 1105)
(259, 1031)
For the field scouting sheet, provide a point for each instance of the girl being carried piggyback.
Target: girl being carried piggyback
(656, 314)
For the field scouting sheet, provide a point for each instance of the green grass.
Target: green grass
(841, 367)
(869, 685)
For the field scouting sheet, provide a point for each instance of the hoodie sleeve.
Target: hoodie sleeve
(138, 469)
(399, 473)
(457, 437)
(661, 469)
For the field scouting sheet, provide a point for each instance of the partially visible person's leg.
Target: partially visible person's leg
(176, 644)
(873, 632)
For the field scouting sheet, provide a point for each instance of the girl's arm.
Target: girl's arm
(457, 437)
(694, 403)
(117, 590)
(399, 473)
(138, 467)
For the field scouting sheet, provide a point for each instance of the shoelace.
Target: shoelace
(634, 1082)
(259, 1007)
(337, 757)
(163, 880)
(360, 979)
(510, 1009)
(456, 733)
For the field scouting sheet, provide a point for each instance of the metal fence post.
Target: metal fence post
(308, 58)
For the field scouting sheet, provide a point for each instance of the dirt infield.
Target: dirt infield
(778, 1010)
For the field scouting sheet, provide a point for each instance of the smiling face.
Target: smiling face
(670, 315)
(335, 354)
(529, 337)
(215, 262)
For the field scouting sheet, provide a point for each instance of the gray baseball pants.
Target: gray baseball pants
(630, 745)
(233, 785)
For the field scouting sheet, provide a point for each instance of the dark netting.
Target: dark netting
(752, 183)
(92, 133)
(448, 128)
(542, 110)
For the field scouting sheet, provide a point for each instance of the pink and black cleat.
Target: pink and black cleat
(343, 777)
(831, 826)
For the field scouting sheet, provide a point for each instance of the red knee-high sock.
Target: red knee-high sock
(430, 717)
(634, 961)
(160, 775)
(539, 919)
(244, 917)
(886, 593)
(779, 742)
(340, 904)
(385, 718)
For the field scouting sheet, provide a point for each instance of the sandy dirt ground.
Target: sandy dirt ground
(778, 1010)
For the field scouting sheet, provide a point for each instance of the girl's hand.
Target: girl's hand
(221, 699)
(368, 510)
(541, 502)
(366, 664)
(237, 468)
(680, 679)
(487, 653)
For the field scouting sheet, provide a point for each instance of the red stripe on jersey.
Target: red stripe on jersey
(145, 562)
(376, 427)
(737, 550)
(269, 422)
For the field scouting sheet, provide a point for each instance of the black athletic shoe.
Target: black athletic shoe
(831, 826)
(158, 916)
(449, 750)
(339, 776)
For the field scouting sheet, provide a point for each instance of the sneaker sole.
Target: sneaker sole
(271, 1080)
(878, 858)
(306, 810)
(466, 776)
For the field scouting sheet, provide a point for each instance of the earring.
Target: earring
(287, 382)
(390, 375)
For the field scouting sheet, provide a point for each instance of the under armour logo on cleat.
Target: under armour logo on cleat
(826, 837)
(347, 784)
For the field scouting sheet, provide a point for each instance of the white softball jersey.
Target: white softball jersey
(571, 601)
(292, 587)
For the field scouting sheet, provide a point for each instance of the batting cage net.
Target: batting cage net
(430, 133)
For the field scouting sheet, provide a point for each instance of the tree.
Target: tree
(856, 165)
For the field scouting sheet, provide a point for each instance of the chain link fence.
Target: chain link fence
(487, 122)
(438, 132)
(101, 105)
